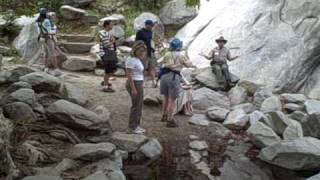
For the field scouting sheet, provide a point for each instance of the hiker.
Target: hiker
(170, 86)
(146, 35)
(108, 54)
(134, 85)
(219, 57)
(48, 30)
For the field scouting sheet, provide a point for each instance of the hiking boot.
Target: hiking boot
(164, 118)
(172, 124)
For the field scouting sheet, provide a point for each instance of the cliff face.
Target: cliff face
(278, 40)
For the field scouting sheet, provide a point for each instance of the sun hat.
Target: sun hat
(221, 39)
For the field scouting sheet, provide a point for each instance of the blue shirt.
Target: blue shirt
(146, 36)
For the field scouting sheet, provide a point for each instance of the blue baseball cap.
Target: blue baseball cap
(176, 44)
(43, 11)
(149, 22)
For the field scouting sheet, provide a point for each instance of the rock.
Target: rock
(19, 112)
(92, 152)
(236, 119)
(311, 126)
(97, 176)
(250, 87)
(41, 81)
(315, 177)
(99, 72)
(125, 49)
(205, 98)
(103, 112)
(299, 154)
(287, 68)
(75, 116)
(140, 20)
(114, 17)
(247, 107)
(199, 119)
(90, 19)
(298, 116)
(42, 177)
(79, 48)
(262, 135)
(217, 114)
(78, 3)
(151, 99)
(261, 95)
(128, 142)
(4, 76)
(22, 95)
(293, 107)
(66, 164)
(85, 38)
(312, 106)
(237, 95)
(77, 63)
(47, 171)
(177, 13)
(118, 32)
(277, 121)
(218, 130)
(120, 73)
(272, 103)
(71, 13)
(293, 98)
(151, 149)
(194, 137)
(195, 156)
(18, 72)
(5, 50)
(293, 131)
(256, 116)
(74, 94)
(198, 145)
(18, 85)
(207, 78)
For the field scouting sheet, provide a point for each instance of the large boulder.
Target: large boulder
(177, 13)
(208, 78)
(77, 63)
(128, 142)
(277, 120)
(272, 103)
(18, 85)
(262, 135)
(261, 94)
(247, 107)
(22, 95)
(140, 20)
(293, 98)
(218, 131)
(72, 13)
(267, 56)
(74, 94)
(205, 98)
(19, 111)
(18, 72)
(236, 119)
(299, 154)
(312, 106)
(78, 3)
(41, 81)
(151, 149)
(311, 125)
(199, 119)
(217, 114)
(238, 95)
(92, 152)
(75, 116)
(293, 131)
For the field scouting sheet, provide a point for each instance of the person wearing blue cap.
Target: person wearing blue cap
(146, 35)
(170, 79)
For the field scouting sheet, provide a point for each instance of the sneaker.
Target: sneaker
(141, 129)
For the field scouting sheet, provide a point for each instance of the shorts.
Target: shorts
(170, 85)
(149, 62)
(110, 62)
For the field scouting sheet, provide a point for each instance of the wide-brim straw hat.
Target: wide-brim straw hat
(221, 39)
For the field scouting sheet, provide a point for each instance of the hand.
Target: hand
(134, 92)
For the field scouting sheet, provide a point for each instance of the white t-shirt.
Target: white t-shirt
(137, 68)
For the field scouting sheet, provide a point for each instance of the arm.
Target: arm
(131, 83)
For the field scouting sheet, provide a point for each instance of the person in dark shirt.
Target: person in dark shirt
(146, 35)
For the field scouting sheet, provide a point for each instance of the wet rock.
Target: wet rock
(77, 63)
(311, 126)
(277, 121)
(18, 85)
(151, 149)
(293, 98)
(92, 152)
(42, 177)
(198, 145)
(207, 78)
(199, 119)
(217, 114)
(74, 94)
(205, 98)
(41, 81)
(298, 116)
(261, 95)
(236, 119)
(299, 154)
(247, 107)
(177, 13)
(237, 95)
(270, 104)
(72, 13)
(22, 95)
(18, 72)
(218, 130)
(19, 112)
(75, 116)
(293, 107)
(293, 131)
(128, 142)
(262, 135)
(312, 106)
(256, 116)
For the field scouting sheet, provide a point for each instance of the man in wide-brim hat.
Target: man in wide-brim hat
(219, 57)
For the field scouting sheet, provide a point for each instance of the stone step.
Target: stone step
(77, 47)
(84, 38)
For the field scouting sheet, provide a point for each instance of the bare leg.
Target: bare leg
(170, 109)
(164, 109)
(152, 75)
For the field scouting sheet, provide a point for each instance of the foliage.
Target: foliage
(9, 30)
(193, 3)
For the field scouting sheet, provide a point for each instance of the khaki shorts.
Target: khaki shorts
(150, 62)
